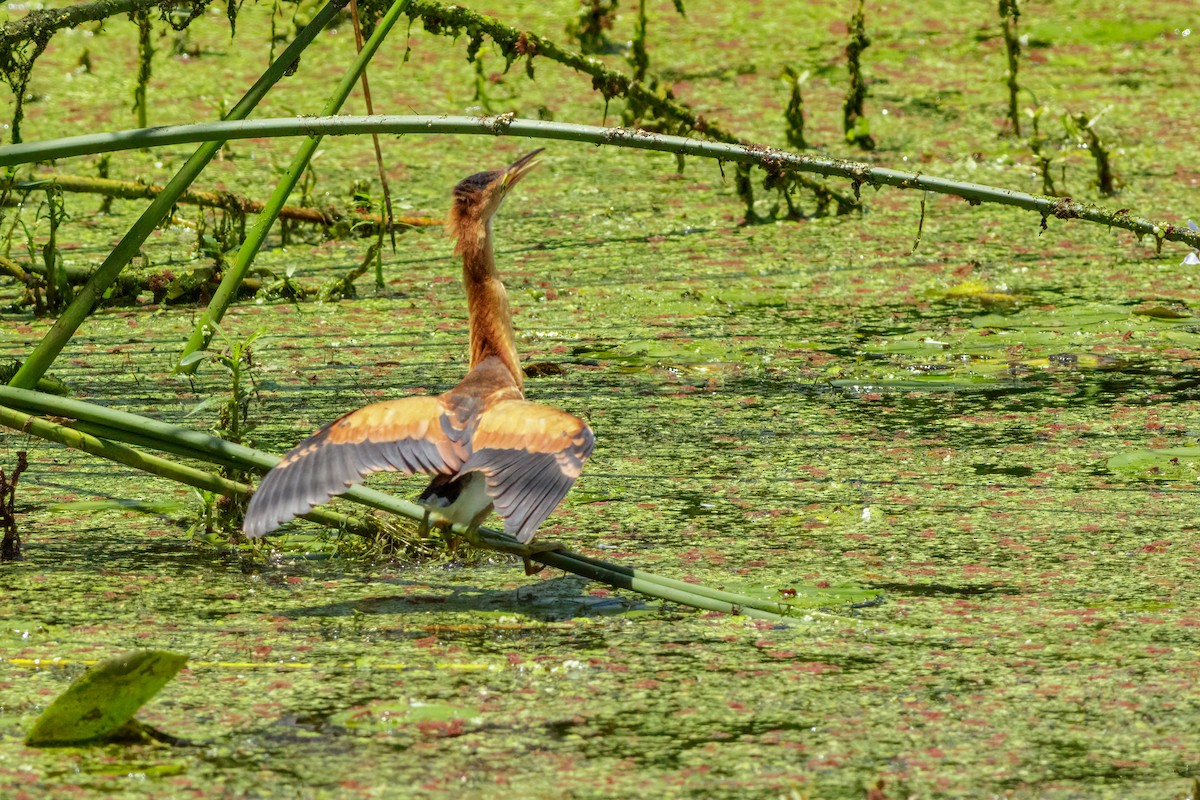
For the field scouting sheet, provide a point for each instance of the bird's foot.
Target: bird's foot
(526, 551)
(532, 549)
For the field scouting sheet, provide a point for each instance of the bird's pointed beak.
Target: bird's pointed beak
(518, 168)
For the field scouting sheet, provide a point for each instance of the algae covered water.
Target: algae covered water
(976, 452)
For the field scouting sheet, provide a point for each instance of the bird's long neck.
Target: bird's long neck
(487, 303)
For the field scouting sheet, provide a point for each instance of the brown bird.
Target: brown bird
(485, 445)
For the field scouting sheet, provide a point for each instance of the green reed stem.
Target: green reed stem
(859, 173)
(89, 295)
(227, 290)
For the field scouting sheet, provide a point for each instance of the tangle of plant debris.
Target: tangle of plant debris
(647, 100)
(23, 40)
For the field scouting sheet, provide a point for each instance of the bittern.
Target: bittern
(482, 442)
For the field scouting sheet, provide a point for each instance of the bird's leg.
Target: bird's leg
(525, 551)
(425, 528)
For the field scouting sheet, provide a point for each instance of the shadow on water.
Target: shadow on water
(553, 600)
(945, 590)
(998, 469)
(162, 557)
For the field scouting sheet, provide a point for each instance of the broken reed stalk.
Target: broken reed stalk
(89, 295)
(18, 407)
(854, 120)
(228, 201)
(1010, 14)
(145, 59)
(772, 160)
(224, 296)
(10, 543)
(638, 58)
(1105, 178)
(794, 115)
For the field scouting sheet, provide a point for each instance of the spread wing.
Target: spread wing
(405, 435)
(531, 455)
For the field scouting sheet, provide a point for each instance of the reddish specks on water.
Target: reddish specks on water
(753, 391)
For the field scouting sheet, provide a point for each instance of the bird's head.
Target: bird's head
(478, 197)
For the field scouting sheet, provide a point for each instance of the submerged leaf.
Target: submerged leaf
(1163, 311)
(806, 595)
(105, 698)
(386, 716)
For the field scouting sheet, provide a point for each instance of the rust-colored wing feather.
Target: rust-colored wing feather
(405, 435)
(531, 455)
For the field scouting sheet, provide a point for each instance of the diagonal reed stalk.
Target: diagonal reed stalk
(232, 279)
(79, 439)
(101, 430)
(68, 322)
(770, 159)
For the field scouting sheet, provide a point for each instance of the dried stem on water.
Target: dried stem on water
(1106, 180)
(794, 115)
(228, 201)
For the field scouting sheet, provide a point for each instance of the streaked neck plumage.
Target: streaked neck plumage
(487, 301)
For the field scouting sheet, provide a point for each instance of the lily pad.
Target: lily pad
(982, 293)
(1171, 464)
(105, 698)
